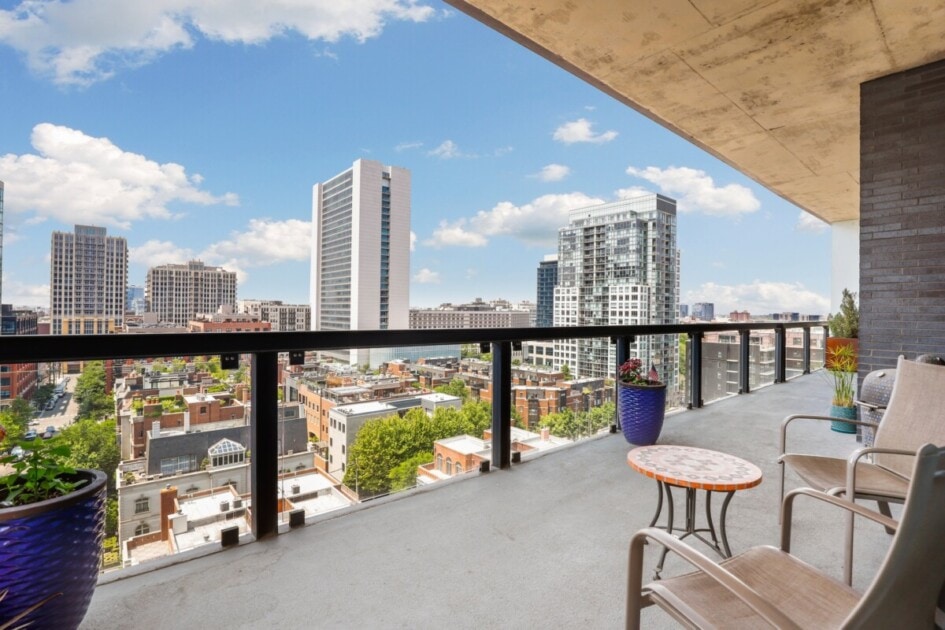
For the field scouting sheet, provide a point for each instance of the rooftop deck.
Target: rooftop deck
(541, 545)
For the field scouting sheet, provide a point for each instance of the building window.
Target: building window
(142, 505)
(439, 462)
(458, 469)
(449, 466)
(142, 529)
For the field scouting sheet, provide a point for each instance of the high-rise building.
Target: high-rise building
(617, 266)
(360, 276)
(176, 293)
(1, 241)
(134, 300)
(283, 317)
(88, 279)
(17, 380)
(547, 279)
(704, 311)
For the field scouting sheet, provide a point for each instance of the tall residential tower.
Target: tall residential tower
(547, 280)
(617, 266)
(361, 252)
(176, 293)
(88, 279)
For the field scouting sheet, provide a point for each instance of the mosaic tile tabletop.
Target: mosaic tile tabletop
(692, 467)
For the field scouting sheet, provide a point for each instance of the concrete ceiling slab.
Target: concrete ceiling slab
(769, 86)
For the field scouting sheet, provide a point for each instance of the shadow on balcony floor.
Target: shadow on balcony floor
(542, 545)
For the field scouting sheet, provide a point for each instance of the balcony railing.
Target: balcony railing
(265, 347)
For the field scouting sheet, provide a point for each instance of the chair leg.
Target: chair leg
(781, 496)
(848, 549)
(885, 511)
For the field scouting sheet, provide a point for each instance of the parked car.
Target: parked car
(50, 429)
(30, 435)
(17, 451)
(47, 435)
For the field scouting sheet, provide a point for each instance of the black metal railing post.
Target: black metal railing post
(264, 466)
(780, 355)
(623, 353)
(806, 365)
(695, 369)
(744, 362)
(502, 404)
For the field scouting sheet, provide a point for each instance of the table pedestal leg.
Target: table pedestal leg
(690, 528)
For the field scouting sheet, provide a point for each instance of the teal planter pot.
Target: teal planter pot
(846, 413)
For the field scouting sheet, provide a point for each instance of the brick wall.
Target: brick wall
(902, 216)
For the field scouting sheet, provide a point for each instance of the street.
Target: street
(62, 414)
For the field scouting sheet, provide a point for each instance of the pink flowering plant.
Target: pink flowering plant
(631, 372)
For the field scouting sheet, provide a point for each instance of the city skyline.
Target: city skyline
(207, 147)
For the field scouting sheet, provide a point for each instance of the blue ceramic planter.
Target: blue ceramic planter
(641, 409)
(52, 551)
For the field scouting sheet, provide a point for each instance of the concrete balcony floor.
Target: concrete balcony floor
(542, 545)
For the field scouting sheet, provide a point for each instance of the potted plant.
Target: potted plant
(843, 362)
(844, 327)
(641, 403)
(52, 524)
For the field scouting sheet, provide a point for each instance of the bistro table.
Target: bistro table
(694, 469)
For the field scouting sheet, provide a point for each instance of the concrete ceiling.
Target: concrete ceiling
(769, 86)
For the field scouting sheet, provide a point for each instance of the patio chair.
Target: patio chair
(768, 586)
(914, 416)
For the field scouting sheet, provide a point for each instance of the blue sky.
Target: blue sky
(196, 130)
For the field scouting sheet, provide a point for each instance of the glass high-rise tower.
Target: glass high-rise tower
(361, 252)
(617, 265)
(545, 299)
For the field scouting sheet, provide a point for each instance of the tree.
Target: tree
(404, 475)
(43, 395)
(111, 516)
(90, 394)
(93, 445)
(456, 387)
(566, 372)
(15, 420)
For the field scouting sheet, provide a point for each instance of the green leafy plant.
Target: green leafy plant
(631, 371)
(39, 474)
(843, 373)
(846, 322)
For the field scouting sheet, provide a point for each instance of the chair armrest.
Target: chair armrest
(709, 567)
(858, 454)
(849, 506)
(869, 406)
(799, 416)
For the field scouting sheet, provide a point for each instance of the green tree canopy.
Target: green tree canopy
(403, 476)
(383, 444)
(93, 445)
(15, 420)
(456, 387)
(90, 394)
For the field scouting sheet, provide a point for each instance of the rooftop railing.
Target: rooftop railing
(265, 348)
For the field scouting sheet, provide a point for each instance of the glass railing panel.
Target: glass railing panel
(720, 360)
(183, 481)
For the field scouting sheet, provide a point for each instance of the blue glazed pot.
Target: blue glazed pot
(52, 550)
(846, 413)
(641, 409)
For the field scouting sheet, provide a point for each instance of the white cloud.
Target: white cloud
(455, 234)
(425, 276)
(581, 130)
(84, 41)
(76, 178)
(631, 192)
(534, 223)
(19, 294)
(447, 151)
(759, 298)
(265, 242)
(154, 253)
(807, 222)
(406, 146)
(695, 191)
(553, 173)
(413, 240)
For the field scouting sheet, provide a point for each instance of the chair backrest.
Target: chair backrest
(905, 591)
(915, 414)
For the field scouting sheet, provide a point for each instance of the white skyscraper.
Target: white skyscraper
(177, 292)
(617, 266)
(361, 252)
(88, 279)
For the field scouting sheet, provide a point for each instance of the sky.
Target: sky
(196, 131)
